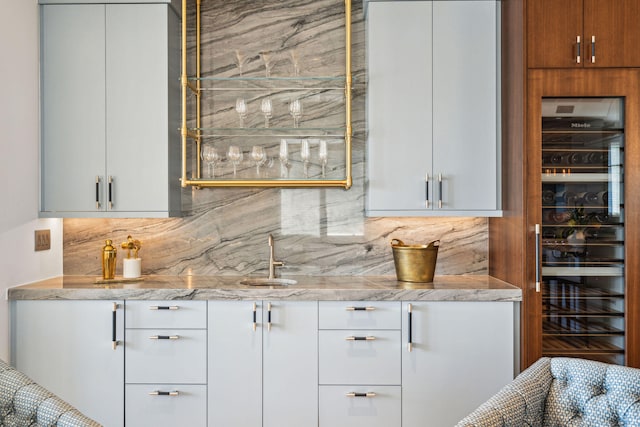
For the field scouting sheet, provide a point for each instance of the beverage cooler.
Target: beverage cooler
(581, 241)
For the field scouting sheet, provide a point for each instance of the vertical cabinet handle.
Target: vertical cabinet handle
(537, 257)
(426, 191)
(97, 192)
(409, 327)
(255, 323)
(110, 192)
(440, 191)
(578, 49)
(268, 316)
(114, 341)
(593, 49)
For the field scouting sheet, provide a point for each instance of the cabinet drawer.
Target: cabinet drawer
(344, 360)
(339, 409)
(359, 315)
(166, 314)
(180, 359)
(187, 408)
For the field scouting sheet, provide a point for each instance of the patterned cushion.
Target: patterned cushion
(564, 392)
(24, 403)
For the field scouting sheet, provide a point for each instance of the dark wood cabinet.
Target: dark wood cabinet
(583, 33)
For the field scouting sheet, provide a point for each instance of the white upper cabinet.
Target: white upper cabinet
(110, 110)
(433, 108)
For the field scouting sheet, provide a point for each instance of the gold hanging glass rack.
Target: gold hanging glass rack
(195, 86)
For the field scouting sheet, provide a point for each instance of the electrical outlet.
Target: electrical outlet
(43, 240)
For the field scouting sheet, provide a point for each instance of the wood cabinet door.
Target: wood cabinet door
(552, 30)
(614, 25)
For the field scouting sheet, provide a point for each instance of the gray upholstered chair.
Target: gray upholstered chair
(564, 392)
(23, 403)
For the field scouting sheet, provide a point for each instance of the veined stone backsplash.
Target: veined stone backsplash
(319, 231)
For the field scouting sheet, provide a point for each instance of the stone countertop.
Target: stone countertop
(309, 288)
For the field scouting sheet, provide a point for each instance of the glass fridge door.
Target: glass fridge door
(583, 285)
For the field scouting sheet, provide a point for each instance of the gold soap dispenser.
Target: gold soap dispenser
(108, 260)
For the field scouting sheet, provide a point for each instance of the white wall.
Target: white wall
(19, 131)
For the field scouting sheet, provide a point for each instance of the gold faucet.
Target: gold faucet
(272, 262)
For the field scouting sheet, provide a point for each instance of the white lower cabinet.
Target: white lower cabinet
(263, 363)
(461, 354)
(68, 348)
(357, 406)
(166, 405)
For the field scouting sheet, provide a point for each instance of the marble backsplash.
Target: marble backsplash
(320, 231)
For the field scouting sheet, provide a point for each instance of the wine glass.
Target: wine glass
(284, 158)
(323, 155)
(234, 154)
(242, 110)
(211, 157)
(295, 109)
(240, 59)
(259, 157)
(305, 155)
(267, 58)
(266, 106)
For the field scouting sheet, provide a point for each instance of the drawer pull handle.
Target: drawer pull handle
(353, 394)
(367, 338)
(255, 323)
(368, 308)
(163, 393)
(164, 337)
(163, 307)
(409, 328)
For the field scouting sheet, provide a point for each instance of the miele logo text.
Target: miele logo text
(580, 125)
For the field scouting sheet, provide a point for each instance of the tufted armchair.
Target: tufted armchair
(561, 392)
(24, 403)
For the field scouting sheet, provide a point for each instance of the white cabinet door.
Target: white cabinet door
(66, 346)
(462, 353)
(110, 93)
(235, 364)
(73, 106)
(399, 102)
(432, 108)
(465, 99)
(290, 376)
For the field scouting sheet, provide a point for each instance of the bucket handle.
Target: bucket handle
(397, 242)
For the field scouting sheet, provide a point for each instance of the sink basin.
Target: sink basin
(263, 281)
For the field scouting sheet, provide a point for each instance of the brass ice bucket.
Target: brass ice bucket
(415, 263)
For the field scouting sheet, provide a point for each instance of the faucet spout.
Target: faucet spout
(272, 261)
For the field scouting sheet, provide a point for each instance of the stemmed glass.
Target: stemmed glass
(267, 58)
(266, 107)
(284, 158)
(240, 60)
(234, 154)
(259, 157)
(323, 155)
(305, 155)
(295, 109)
(211, 157)
(242, 110)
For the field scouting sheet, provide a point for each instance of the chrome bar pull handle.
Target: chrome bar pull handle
(164, 337)
(354, 394)
(578, 57)
(110, 192)
(409, 328)
(367, 308)
(114, 341)
(268, 316)
(593, 49)
(97, 192)
(537, 257)
(163, 393)
(255, 323)
(163, 307)
(426, 191)
(367, 338)
(440, 191)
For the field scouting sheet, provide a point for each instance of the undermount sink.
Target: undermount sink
(264, 281)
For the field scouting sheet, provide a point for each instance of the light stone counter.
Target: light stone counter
(310, 288)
